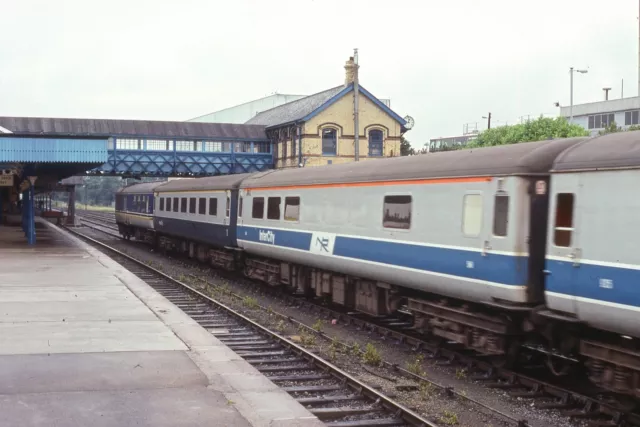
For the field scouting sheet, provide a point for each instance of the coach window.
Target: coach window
(292, 208)
(500, 215)
(472, 215)
(228, 206)
(273, 208)
(202, 206)
(183, 204)
(161, 203)
(396, 212)
(564, 219)
(257, 210)
(168, 204)
(213, 206)
(176, 204)
(192, 205)
(240, 203)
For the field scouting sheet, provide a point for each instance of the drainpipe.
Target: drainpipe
(300, 146)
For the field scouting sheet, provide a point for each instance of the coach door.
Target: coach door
(564, 252)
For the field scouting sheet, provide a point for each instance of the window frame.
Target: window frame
(501, 194)
(228, 207)
(240, 206)
(202, 205)
(161, 205)
(335, 151)
(167, 204)
(284, 211)
(381, 142)
(462, 222)
(253, 203)
(183, 204)
(193, 205)
(213, 212)
(411, 212)
(571, 229)
(279, 208)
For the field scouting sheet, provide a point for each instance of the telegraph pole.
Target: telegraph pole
(356, 92)
(489, 121)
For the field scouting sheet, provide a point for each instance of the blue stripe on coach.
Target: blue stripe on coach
(504, 269)
(598, 282)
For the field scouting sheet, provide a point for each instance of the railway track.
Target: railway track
(335, 397)
(594, 409)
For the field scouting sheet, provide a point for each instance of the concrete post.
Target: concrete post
(71, 210)
(31, 225)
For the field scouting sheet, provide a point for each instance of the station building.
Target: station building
(595, 116)
(319, 129)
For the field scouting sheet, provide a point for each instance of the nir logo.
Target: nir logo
(267, 236)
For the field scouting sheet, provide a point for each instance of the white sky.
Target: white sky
(445, 63)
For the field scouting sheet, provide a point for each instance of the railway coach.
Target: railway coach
(134, 210)
(198, 217)
(458, 235)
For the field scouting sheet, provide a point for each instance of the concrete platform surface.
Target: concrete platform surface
(84, 342)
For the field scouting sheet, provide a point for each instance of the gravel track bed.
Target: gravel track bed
(427, 400)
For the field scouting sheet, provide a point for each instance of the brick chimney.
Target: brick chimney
(350, 71)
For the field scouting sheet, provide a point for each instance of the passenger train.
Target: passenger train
(528, 244)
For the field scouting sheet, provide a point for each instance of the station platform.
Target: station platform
(84, 342)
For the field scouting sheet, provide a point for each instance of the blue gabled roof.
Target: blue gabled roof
(306, 108)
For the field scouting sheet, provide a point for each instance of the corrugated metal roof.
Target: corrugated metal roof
(53, 150)
(295, 110)
(516, 159)
(137, 128)
(611, 151)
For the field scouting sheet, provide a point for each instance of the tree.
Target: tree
(405, 147)
(533, 130)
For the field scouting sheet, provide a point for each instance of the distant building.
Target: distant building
(450, 142)
(595, 116)
(243, 112)
(319, 129)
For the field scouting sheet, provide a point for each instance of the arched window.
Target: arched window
(375, 142)
(329, 142)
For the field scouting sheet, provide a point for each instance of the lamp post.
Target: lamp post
(571, 70)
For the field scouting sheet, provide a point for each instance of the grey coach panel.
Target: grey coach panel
(612, 151)
(145, 187)
(515, 159)
(220, 182)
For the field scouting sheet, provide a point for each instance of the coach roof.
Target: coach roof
(220, 182)
(516, 159)
(611, 151)
(145, 187)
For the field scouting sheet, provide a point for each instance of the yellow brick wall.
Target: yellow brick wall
(340, 116)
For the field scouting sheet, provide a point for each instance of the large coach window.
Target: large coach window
(183, 204)
(396, 212)
(176, 204)
(257, 210)
(161, 203)
(273, 208)
(168, 204)
(292, 208)
(500, 215)
(192, 205)
(564, 220)
(472, 215)
(213, 206)
(202, 206)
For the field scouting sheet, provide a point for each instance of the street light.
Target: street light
(571, 70)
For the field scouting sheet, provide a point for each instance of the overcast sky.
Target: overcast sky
(445, 63)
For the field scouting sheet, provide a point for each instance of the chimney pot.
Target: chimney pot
(350, 71)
